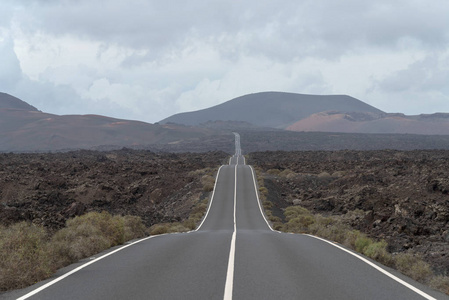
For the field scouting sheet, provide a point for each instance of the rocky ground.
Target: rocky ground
(47, 189)
(262, 139)
(399, 196)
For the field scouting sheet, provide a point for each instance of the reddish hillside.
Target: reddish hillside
(435, 124)
(24, 128)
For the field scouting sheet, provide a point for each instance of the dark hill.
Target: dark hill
(272, 109)
(10, 102)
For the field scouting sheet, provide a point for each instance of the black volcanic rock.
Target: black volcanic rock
(399, 196)
(10, 102)
(272, 109)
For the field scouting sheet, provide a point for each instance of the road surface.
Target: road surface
(234, 254)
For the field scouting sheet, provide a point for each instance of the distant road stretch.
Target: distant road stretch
(234, 254)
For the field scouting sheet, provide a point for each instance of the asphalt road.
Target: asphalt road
(234, 254)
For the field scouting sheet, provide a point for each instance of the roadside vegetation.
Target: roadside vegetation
(298, 219)
(29, 253)
(207, 178)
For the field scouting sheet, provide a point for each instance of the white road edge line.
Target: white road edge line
(397, 279)
(43, 287)
(411, 287)
(258, 200)
(230, 273)
(211, 200)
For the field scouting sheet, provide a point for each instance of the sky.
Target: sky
(147, 59)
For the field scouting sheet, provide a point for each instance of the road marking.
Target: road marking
(211, 200)
(230, 273)
(34, 292)
(258, 200)
(397, 279)
(408, 285)
(94, 260)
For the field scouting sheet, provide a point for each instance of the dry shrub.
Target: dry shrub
(197, 214)
(274, 171)
(292, 212)
(91, 233)
(24, 257)
(324, 175)
(159, 229)
(177, 227)
(338, 174)
(351, 237)
(440, 283)
(299, 219)
(361, 243)
(111, 227)
(334, 232)
(199, 208)
(274, 219)
(73, 243)
(287, 173)
(267, 205)
(263, 193)
(413, 266)
(133, 228)
(278, 226)
(208, 183)
(27, 255)
(189, 224)
(169, 228)
(378, 252)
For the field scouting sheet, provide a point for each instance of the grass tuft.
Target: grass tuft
(28, 254)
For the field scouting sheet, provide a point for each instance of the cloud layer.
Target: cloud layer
(147, 60)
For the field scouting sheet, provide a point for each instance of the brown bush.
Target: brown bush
(440, 283)
(208, 183)
(24, 256)
(413, 266)
(27, 255)
(158, 229)
(76, 242)
(133, 228)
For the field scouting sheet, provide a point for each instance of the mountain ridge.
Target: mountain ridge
(279, 109)
(8, 101)
(24, 128)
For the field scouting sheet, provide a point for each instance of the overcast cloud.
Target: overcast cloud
(147, 60)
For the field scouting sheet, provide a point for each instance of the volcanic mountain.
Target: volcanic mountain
(272, 109)
(313, 113)
(364, 122)
(24, 128)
